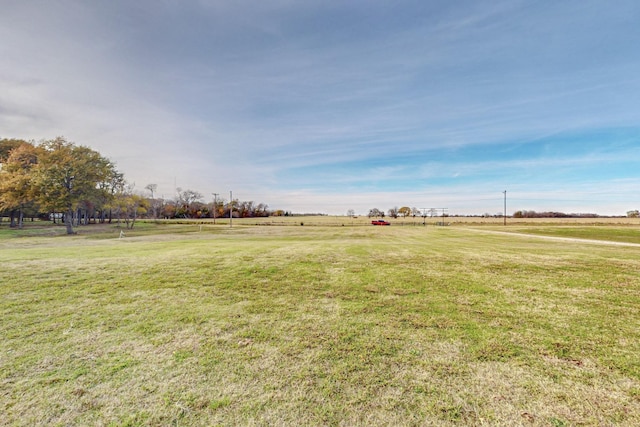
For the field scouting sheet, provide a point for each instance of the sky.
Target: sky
(335, 105)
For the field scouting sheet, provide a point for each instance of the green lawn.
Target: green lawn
(607, 233)
(266, 325)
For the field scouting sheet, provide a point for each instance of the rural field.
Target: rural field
(334, 323)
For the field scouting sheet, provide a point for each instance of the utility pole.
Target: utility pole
(215, 204)
(230, 208)
(505, 207)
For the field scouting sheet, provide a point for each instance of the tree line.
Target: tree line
(551, 214)
(397, 212)
(60, 181)
(189, 204)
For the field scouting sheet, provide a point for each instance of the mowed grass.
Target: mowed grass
(605, 233)
(317, 326)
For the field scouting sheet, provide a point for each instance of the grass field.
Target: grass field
(195, 324)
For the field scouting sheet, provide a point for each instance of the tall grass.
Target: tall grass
(317, 326)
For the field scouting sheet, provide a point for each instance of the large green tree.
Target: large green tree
(69, 176)
(16, 176)
(7, 145)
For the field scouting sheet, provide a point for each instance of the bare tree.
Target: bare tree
(184, 200)
(375, 212)
(152, 189)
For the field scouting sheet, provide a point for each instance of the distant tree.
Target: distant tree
(633, 214)
(218, 207)
(405, 211)
(117, 204)
(393, 212)
(126, 205)
(246, 209)
(262, 210)
(231, 208)
(249, 209)
(152, 201)
(152, 188)
(168, 210)
(375, 213)
(184, 201)
(415, 212)
(134, 205)
(351, 213)
(110, 191)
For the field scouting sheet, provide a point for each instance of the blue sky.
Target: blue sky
(326, 106)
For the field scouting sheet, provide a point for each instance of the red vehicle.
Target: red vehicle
(380, 222)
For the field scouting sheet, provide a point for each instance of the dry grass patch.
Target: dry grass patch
(319, 326)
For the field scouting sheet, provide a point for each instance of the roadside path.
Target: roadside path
(560, 239)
